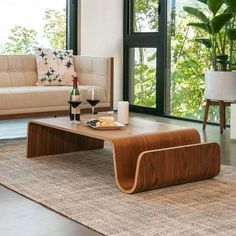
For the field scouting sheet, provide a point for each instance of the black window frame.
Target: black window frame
(155, 40)
(72, 25)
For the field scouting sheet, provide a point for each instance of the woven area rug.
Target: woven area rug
(81, 186)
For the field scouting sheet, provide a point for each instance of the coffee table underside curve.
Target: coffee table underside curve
(141, 162)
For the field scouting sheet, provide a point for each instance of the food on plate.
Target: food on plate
(102, 122)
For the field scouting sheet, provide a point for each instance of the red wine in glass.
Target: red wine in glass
(74, 104)
(93, 102)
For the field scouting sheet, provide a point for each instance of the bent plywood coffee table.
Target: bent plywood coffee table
(146, 154)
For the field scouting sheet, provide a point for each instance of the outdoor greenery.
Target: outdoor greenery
(55, 28)
(217, 21)
(145, 16)
(188, 61)
(145, 20)
(23, 40)
(144, 77)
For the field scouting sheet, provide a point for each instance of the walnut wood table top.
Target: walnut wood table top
(136, 126)
(146, 154)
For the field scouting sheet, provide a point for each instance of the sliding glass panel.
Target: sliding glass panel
(187, 60)
(142, 76)
(26, 24)
(145, 15)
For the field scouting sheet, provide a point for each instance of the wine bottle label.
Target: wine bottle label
(75, 97)
(75, 110)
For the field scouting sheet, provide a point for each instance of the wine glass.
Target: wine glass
(93, 98)
(74, 110)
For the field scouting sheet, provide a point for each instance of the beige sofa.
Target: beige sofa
(20, 97)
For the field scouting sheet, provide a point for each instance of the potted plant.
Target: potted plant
(218, 22)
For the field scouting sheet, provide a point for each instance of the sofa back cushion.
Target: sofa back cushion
(92, 70)
(17, 70)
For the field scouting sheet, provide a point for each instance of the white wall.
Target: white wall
(101, 34)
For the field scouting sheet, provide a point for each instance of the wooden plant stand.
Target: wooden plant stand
(222, 105)
(146, 155)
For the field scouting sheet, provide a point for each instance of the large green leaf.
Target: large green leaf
(219, 21)
(214, 5)
(205, 27)
(197, 13)
(205, 42)
(232, 5)
(231, 33)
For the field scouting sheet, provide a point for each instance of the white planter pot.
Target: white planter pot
(220, 85)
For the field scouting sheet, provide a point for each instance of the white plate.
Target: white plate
(117, 126)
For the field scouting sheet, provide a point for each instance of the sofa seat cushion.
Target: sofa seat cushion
(41, 96)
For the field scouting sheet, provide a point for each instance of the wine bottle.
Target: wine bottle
(75, 96)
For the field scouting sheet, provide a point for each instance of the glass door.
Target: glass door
(144, 55)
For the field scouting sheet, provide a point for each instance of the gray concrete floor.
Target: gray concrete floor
(21, 216)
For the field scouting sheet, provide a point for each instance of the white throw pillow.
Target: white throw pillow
(55, 67)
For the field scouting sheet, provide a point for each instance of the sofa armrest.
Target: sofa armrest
(97, 71)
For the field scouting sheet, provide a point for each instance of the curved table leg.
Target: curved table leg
(177, 165)
(146, 162)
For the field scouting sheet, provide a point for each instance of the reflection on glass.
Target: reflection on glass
(142, 76)
(145, 16)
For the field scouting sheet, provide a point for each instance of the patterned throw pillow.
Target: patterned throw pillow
(55, 67)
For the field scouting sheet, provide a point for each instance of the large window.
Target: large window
(187, 61)
(27, 24)
(163, 62)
